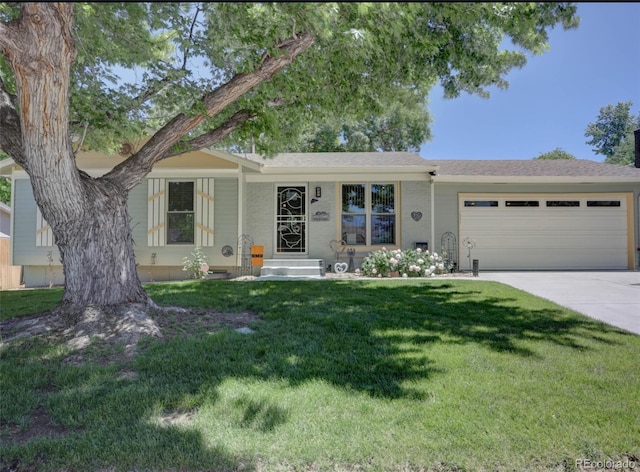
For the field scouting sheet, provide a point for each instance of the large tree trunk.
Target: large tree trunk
(97, 252)
(88, 217)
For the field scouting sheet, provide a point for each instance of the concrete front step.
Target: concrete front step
(218, 275)
(293, 267)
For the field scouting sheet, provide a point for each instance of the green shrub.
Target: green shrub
(197, 266)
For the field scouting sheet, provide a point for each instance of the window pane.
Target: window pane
(291, 219)
(291, 237)
(291, 201)
(563, 203)
(383, 229)
(354, 230)
(481, 203)
(603, 203)
(353, 198)
(180, 228)
(180, 196)
(522, 203)
(382, 198)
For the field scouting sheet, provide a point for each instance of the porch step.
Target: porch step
(292, 268)
(218, 275)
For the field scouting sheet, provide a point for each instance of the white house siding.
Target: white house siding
(259, 215)
(25, 251)
(321, 233)
(445, 212)
(35, 259)
(226, 221)
(415, 198)
(168, 258)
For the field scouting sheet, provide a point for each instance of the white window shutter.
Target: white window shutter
(44, 235)
(155, 212)
(204, 212)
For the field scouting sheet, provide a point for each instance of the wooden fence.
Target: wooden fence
(9, 275)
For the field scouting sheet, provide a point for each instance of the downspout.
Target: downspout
(239, 254)
(12, 216)
(636, 136)
(433, 216)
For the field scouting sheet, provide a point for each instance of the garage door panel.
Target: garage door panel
(555, 237)
(517, 260)
(522, 236)
(577, 220)
(564, 244)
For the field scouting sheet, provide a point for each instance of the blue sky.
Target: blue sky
(552, 99)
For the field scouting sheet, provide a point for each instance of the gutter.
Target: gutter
(519, 179)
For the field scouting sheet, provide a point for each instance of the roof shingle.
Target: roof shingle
(449, 167)
(533, 168)
(340, 159)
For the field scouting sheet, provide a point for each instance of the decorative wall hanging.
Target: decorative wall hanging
(320, 215)
(416, 215)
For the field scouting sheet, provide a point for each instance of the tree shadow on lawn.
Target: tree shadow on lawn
(370, 337)
(96, 418)
(366, 336)
(363, 337)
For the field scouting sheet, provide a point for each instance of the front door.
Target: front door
(291, 219)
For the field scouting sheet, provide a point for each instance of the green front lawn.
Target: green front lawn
(445, 375)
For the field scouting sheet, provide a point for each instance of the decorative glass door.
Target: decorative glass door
(291, 220)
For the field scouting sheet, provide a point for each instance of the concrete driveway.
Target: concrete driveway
(609, 296)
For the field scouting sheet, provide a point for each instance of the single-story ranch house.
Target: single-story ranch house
(507, 214)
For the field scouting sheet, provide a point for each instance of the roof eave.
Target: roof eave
(520, 179)
(235, 158)
(6, 167)
(346, 170)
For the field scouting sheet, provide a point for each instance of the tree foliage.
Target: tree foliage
(401, 127)
(612, 133)
(556, 154)
(365, 55)
(5, 191)
(209, 72)
(5, 185)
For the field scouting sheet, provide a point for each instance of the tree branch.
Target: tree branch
(193, 25)
(130, 172)
(10, 131)
(7, 38)
(212, 137)
(169, 78)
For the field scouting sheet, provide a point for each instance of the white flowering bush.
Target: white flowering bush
(196, 266)
(407, 263)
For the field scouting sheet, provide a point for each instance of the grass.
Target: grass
(452, 375)
(16, 303)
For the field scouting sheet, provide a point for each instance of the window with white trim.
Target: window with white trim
(181, 212)
(368, 214)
